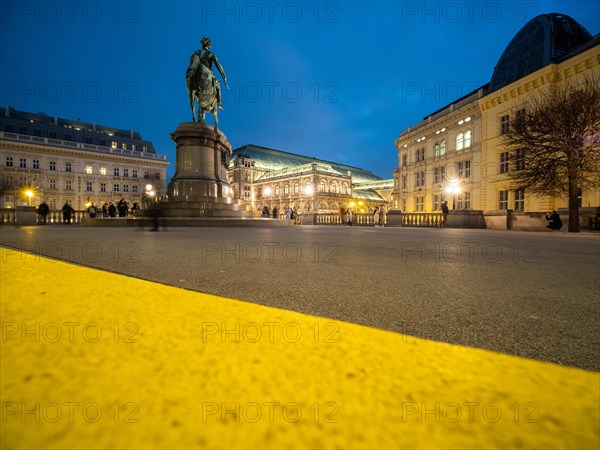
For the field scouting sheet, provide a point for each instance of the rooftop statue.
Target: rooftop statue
(202, 84)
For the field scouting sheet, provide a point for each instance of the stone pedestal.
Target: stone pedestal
(200, 187)
(26, 215)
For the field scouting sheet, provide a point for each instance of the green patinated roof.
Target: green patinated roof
(277, 160)
(381, 184)
(367, 195)
(298, 169)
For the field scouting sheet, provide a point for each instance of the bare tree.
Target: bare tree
(554, 143)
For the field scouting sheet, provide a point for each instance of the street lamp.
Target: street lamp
(453, 189)
(29, 194)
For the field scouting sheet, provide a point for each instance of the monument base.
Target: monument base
(200, 187)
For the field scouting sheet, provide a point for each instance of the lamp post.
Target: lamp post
(29, 194)
(308, 190)
(453, 189)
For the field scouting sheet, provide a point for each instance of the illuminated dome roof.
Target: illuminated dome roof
(542, 41)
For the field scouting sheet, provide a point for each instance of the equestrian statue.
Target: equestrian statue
(202, 84)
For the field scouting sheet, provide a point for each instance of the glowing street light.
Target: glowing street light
(29, 194)
(267, 191)
(308, 189)
(453, 189)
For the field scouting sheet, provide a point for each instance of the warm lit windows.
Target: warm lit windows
(88, 170)
(102, 170)
(439, 149)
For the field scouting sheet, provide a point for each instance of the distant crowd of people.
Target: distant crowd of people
(290, 213)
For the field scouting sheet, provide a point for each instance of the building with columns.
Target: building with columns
(457, 153)
(263, 176)
(69, 161)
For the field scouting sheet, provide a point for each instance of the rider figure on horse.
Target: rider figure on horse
(207, 58)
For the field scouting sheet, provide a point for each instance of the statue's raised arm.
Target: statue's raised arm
(202, 85)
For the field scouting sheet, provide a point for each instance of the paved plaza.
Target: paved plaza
(95, 359)
(530, 294)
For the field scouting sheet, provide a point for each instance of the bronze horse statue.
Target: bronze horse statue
(200, 87)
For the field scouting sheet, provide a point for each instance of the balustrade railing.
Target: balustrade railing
(421, 219)
(8, 216)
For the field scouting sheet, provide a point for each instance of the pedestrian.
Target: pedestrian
(92, 211)
(445, 212)
(554, 222)
(112, 210)
(67, 211)
(265, 212)
(43, 211)
(105, 210)
(122, 208)
(288, 213)
(349, 217)
(294, 215)
(343, 215)
(382, 216)
(376, 216)
(275, 212)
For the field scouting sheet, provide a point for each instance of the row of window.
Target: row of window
(69, 137)
(505, 120)
(89, 186)
(463, 201)
(460, 171)
(307, 189)
(463, 140)
(35, 164)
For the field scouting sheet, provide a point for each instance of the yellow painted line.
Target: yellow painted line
(91, 359)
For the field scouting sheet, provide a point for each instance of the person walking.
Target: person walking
(382, 212)
(275, 212)
(43, 211)
(105, 210)
(376, 216)
(265, 212)
(67, 211)
(92, 211)
(445, 212)
(349, 217)
(112, 210)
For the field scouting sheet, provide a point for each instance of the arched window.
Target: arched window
(467, 138)
(344, 188)
(443, 147)
(296, 188)
(322, 186)
(286, 189)
(277, 191)
(460, 139)
(334, 187)
(307, 188)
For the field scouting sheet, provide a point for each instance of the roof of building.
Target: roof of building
(544, 40)
(276, 160)
(41, 124)
(300, 169)
(367, 195)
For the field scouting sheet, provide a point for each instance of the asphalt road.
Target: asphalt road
(532, 294)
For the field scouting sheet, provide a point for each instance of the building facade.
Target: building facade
(457, 153)
(68, 161)
(268, 177)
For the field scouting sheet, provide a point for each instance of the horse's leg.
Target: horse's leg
(216, 117)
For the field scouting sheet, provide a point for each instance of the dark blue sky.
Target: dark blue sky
(334, 80)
